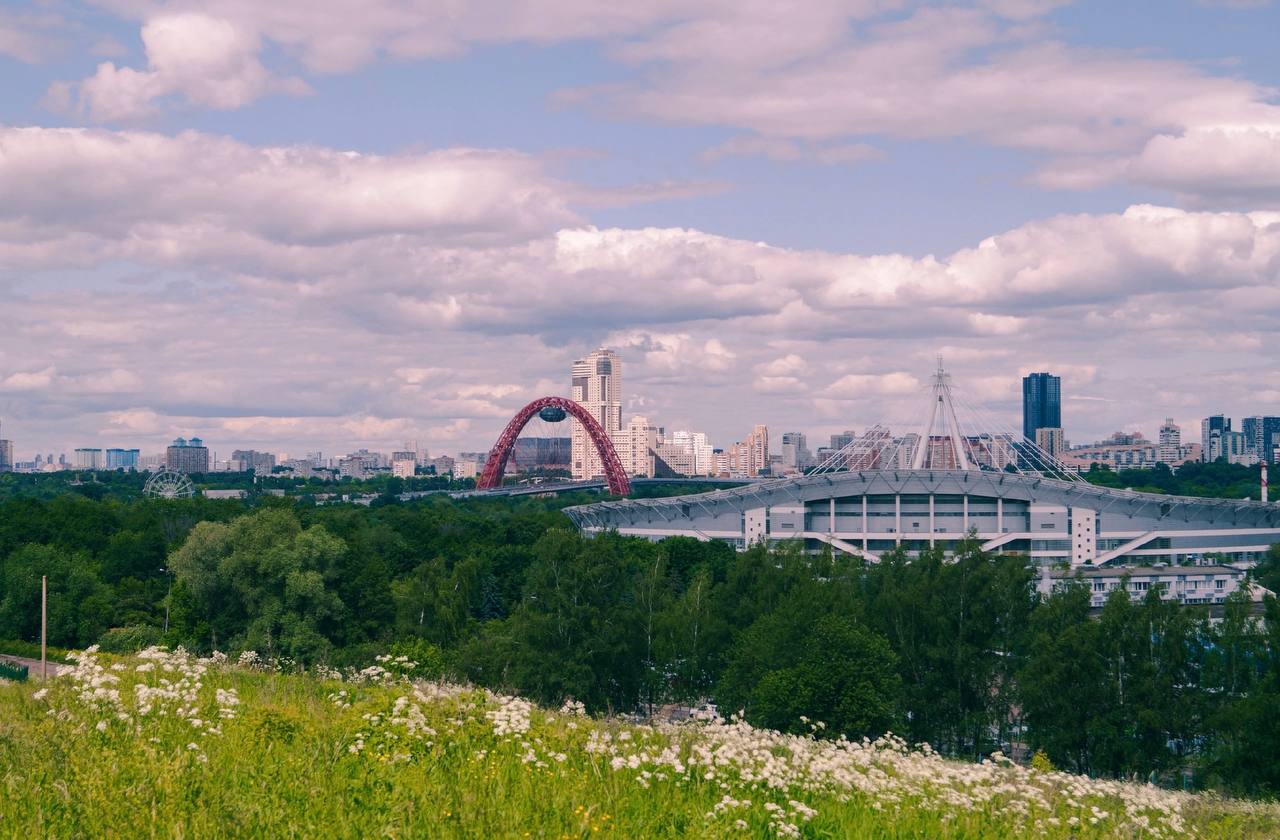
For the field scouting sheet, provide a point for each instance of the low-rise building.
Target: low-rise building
(1187, 585)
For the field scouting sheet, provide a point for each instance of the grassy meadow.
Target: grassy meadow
(163, 744)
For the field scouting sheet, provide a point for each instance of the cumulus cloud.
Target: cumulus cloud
(827, 86)
(209, 61)
(177, 191)
(441, 290)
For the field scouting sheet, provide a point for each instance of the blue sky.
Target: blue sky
(298, 226)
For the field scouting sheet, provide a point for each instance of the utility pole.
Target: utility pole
(44, 627)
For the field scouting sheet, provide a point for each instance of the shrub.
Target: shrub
(129, 639)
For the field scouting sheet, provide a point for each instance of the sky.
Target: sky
(299, 226)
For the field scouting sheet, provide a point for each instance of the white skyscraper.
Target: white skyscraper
(597, 386)
(1170, 451)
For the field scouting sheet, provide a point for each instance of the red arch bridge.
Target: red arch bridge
(496, 464)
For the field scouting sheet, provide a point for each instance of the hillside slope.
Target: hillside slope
(165, 744)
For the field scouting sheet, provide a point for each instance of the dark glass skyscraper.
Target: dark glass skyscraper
(1041, 403)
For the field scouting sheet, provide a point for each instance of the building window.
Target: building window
(1219, 584)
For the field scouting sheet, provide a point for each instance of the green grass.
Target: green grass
(296, 759)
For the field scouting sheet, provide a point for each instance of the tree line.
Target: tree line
(960, 652)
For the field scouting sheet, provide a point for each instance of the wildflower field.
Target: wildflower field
(163, 744)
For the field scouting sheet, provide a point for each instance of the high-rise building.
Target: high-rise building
(703, 451)
(795, 452)
(1170, 447)
(1235, 448)
(1041, 403)
(122, 459)
(750, 457)
(187, 456)
(1211, 431)
(636, 445)
(6, 455)
(1262, 435)
(89, 459)
(243, 460)
(842, 440)
(1050, 439)
(597, 387)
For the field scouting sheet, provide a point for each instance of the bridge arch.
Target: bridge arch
(496, 464)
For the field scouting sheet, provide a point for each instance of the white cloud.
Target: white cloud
(854, 385)
(824, 87)
(210, 61)
(178, 192)
(384, 319)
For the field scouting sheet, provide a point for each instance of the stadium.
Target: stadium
(931, 489)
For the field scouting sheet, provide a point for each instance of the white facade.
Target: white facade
(597, 387)
(1188, 585)
(1170, 448)
(635, 445)
(702, 452)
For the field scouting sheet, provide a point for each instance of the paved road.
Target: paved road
(33, 665)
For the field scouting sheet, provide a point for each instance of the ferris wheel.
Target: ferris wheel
(168, 484)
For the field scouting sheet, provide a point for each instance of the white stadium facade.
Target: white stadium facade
(932, 488)
(867, 513)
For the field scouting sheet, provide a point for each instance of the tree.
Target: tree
(790, 666)
(1062, 685)
(263, 582)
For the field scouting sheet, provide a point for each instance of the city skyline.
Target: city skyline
(295, 448)
(285, 230)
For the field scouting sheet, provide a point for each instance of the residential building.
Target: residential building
(1041, 403)
(842, 440)
(1234, 447)
(1187, 585)
(637, 445)
(596, 384)
(122, 459)
(1050, 440)
(673, 460)
(750, 457)
(1262, 436)
(243, 460)
(465, 469)
(187, 456)
(89, 459)
(703, 451)
(1170, 448)
(443, 465)
(795, 453)
(1211, 431)
(404, 464)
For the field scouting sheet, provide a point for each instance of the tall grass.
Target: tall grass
(165, 745)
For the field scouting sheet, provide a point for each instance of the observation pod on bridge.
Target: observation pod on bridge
(554, 409)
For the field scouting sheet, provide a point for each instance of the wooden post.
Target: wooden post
(44, 627)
